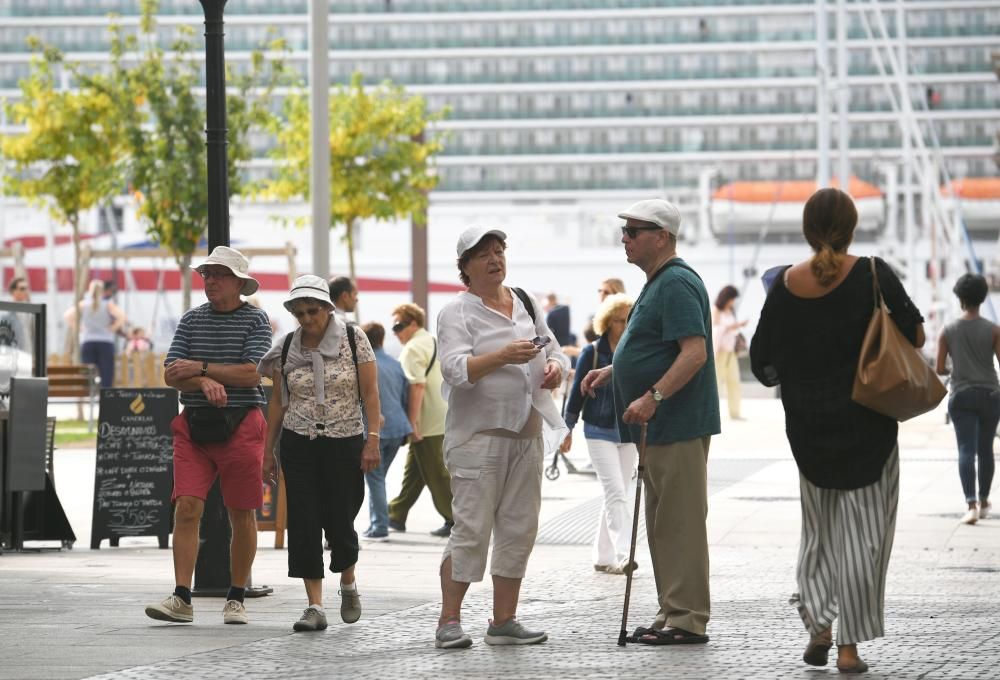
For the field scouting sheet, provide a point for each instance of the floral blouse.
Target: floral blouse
(340, 416)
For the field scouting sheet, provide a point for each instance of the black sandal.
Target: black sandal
(639, 632)
(818, 650)
(670, 636)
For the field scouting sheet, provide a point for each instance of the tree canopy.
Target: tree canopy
(381, 158)
(71, 154)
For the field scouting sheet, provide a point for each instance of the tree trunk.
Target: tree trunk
(350, 262)
(184, 261)
(350, 250)
(78, 288)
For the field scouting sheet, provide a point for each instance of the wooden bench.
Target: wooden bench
(74, 381)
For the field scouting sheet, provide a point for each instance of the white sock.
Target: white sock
(348, 587)
(317, 607)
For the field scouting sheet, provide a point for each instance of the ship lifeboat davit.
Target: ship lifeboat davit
(979, 199)
(743, 209)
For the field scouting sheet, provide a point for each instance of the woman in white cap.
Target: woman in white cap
(324, 375)
(499, 364)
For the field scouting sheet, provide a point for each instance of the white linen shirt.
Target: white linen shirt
(503, 399)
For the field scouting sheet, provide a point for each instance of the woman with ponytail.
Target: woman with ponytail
(808, 341)
(100, 320)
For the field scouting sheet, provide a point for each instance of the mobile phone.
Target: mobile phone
(540, 341)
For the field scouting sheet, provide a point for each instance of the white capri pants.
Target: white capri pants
(496, 488)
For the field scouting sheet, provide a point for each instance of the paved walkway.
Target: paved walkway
(78, 613)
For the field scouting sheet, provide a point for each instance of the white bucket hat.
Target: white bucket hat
(233, 260)
(309, 286)
(473, 235)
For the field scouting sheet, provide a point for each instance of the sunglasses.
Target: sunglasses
(208, 274)
(398, 326)
(311, 311)
(632, 232)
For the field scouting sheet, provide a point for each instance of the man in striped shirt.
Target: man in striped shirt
(213, 363)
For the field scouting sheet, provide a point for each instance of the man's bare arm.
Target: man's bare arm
(185, 374)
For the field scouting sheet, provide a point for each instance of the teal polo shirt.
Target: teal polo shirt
(672, 306)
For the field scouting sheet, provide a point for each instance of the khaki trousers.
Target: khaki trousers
(676, 508)
(727, 371)
(424, 467)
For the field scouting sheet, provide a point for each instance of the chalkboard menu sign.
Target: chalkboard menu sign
(134, 473)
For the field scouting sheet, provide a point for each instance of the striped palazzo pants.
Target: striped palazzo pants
(846, 542)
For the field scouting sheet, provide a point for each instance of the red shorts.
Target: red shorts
(237, 462)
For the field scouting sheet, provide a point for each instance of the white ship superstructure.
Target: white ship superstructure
(563, 111)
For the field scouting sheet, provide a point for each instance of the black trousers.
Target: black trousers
(324, 488)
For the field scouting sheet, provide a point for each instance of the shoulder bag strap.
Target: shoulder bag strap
(670, 263)
(876, 289)
(284, 357)
(354, 356)
(433, 358)
(526, 301)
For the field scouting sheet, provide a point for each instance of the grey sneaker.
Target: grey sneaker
(312, 619)
(172, 609)
(350, 605)
(234, 612)
(451, 636)
(513, 633)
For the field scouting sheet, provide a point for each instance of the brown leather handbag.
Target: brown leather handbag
(892, 377)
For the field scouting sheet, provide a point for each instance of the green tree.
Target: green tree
(70, 156)
(380, 161)
(165, 130)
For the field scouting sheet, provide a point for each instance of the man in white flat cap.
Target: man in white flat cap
(212, 362)
(664, 378)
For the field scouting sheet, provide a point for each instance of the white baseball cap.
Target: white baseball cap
(473, 235)
(309, 286)
(233, 260)
(663, 214)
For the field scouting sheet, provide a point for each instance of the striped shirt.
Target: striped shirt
(241, 336)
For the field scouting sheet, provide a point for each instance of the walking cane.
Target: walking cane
(623, 635)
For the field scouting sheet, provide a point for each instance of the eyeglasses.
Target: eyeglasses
(398, 326)
(210, 274)
(632, 232)
(311, 311)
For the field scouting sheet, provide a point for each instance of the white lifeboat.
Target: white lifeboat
(979, 200)
(743, 209)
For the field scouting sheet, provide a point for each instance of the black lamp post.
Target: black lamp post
(215, 130)
(212, 573)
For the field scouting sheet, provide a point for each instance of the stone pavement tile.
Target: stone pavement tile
(940, 624)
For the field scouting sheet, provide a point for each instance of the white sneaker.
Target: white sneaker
(234, 612)
(970, 516)
(984, 509)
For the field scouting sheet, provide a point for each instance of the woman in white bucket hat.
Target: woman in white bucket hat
(324, 375)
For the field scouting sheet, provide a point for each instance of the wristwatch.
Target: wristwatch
(657, 395)
(204, 368)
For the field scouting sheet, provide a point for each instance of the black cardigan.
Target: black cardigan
(810, 346)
